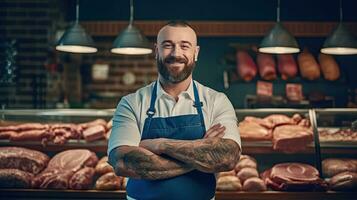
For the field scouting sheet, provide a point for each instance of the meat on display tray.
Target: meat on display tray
(256, 147)
(120, 194)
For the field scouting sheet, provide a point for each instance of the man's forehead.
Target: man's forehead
(177, 34)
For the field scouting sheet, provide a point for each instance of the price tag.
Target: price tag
(294, 91)
(264, 88)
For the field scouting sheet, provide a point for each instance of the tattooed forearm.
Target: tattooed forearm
(207, 155)
(137, 162)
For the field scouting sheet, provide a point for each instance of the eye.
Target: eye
(185, 47)
(167, 46)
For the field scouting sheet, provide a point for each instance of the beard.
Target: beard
(171, 75)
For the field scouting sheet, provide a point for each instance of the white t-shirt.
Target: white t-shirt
(130, 115)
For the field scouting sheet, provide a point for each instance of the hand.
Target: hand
(153, 145)
(215, 131)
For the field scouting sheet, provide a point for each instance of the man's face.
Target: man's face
(176, 52)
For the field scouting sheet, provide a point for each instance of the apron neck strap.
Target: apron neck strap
(198, 104)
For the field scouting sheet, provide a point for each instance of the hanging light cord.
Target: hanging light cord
(131, 12)
(278, 12)
(77, 11)
(341, 11)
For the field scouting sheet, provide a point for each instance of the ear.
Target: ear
(196, 52)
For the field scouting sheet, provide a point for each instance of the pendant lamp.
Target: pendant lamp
(75, 39)
(279, 40)
(131, 41)
(340, 41)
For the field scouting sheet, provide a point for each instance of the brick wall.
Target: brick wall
(33, 23)
(30, 23)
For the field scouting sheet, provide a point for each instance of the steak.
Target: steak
(62, 168)
(14, 178)
(23, 159)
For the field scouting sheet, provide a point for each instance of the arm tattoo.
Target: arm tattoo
(207, 155)
(137, 162)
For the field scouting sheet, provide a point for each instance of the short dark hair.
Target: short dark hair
(179, 23)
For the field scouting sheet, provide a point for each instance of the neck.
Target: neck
(174, 89)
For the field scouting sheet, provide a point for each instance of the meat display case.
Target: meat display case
(261, 150)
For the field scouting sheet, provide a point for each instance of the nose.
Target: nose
(176, 51)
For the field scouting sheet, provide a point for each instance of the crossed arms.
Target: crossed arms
(165, 158)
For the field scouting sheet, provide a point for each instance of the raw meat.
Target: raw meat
(287, 66)
(229, 183)
(279, 119)
(333, 166)
(92, 133)
(109, 181)
(14, 178)
(246, 173)
(291, 138)
(344, 181)
(266, 66)
(246, 67)
(253, 131)
(82, 179)
(309, 68)
(329, 67)
(103, 166)
(254, 184)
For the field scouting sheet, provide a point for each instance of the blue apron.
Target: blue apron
(192, 185)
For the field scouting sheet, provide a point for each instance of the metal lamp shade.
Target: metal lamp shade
(279, 41)
(76, 40)
(340, 42)
(131, 42)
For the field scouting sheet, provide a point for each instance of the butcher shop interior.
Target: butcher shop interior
(288, 68)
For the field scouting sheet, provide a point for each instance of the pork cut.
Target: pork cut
(82, 179)
(287, 66)
(291, 138)
(254, 184)
(103, 166)
(246, 67)
(63, 166)
(279, 119)
(14, 178)
(228, 183)
(253, 131)
(333, 166)
(246, 173)
(293, 177)
(309, 68)
(109, 181)
(93, 133)
(346, 181)
(23, 159)
(329, 67)
(266, 66)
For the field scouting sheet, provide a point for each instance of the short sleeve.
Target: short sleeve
(223, 113)
(125, 130)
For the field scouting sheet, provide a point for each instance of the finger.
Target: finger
(216, 132)
(221, 134)
(213, 128)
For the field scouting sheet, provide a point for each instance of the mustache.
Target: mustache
(172, 59)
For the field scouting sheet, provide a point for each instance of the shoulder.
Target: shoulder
(210, 95)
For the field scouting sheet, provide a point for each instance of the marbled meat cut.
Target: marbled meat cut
(14, 178)
(293, 176)
(254, 131)
(291, 138)
(344, 181)
(333, 166)
(23, 159)
(246, 67)
(62, 167)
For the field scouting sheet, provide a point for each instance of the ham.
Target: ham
(246, 67)
(287, 66)
(293, 177)
(266, 66)
(329, 67)
(309, 68)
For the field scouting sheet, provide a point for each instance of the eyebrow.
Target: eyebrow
(170, 41)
